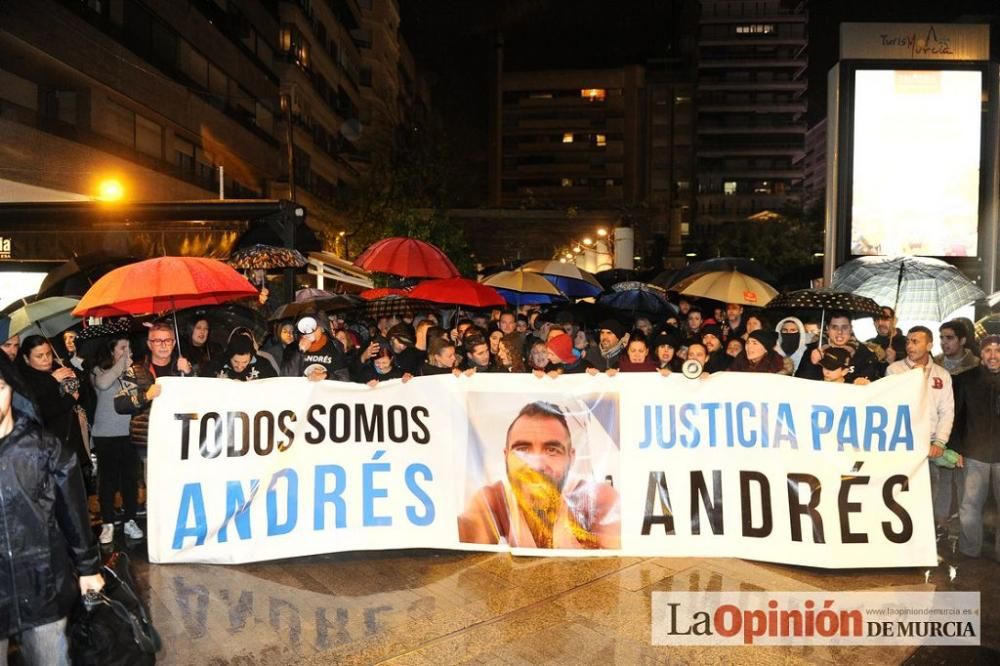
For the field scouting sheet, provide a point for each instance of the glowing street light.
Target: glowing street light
(110, 190)
(602, 232)
(588, 241)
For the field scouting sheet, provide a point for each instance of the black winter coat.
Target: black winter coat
(977, 415)
(44, 529)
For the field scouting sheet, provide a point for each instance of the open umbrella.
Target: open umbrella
(825, 300)
(48, 317)
(161, 284)
(379, 292)
(727, 287)
(458, 291)
(331, 303)
(389, 306)
(523, 288)
(264, 257)
(406, 257)
(638, 298)
(567, 278)
(918, 287)
(741, 264)
(613, 276)
(76, 276)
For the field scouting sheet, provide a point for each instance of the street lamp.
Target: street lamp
(110, 189)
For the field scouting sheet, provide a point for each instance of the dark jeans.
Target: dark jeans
(117, 470)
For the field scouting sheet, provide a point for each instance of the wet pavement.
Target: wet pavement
(446, 607)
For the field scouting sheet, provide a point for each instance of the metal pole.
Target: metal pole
(222, 183)
(291, 145)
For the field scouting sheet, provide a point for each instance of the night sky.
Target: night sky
(452, 40)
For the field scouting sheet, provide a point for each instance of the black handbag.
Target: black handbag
(112, 626)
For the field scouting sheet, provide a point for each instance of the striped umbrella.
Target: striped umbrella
(918, 287)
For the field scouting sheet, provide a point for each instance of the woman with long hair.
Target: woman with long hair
(117, 461)
(56, 391)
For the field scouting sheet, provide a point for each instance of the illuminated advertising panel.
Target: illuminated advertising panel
(916, 158)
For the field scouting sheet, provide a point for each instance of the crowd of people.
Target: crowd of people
(97, 400)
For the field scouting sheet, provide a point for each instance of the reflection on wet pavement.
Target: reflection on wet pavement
(443, 607)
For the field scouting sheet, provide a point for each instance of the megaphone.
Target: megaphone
(692, 369)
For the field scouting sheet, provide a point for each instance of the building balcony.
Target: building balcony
(751, 174)
(735, 64)
(753, 107)
(708, 85)
(750, 152)
(771, 40)
(790, 128)
(776, 17)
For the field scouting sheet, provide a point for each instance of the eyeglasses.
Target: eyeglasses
(163, 342)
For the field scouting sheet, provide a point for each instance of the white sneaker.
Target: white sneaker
(107, 533)
(132, 530)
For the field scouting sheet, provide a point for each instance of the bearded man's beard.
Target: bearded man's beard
(539, 499)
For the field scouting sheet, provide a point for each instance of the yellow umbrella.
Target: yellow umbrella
(728, 287)
(522, 282)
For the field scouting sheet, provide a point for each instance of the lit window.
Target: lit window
(568, 137)
(285, 39)
(729, 187)
(567, 182)
(755, 29)
(594, 94)
(602, 140)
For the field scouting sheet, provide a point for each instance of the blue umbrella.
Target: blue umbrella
(518, 299)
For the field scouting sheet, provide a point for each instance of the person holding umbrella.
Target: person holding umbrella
(840, 334)
(139, 387)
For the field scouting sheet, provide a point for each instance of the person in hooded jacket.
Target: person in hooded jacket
(792, 340)
(46, 537)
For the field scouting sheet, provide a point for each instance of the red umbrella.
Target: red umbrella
(380, 292)
(458, 291)
(406, 257)
(165, 283)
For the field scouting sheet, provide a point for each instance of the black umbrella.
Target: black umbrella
(334, 303)
(76, 276)
(637, 298)
(614, 276)
(745, 266)
(224, 318)
(665, 278)
(824, 299)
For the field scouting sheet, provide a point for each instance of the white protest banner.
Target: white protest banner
(734, 465)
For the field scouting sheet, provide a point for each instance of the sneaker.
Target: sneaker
(132, 530)
(107, 533)
(941, 533)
